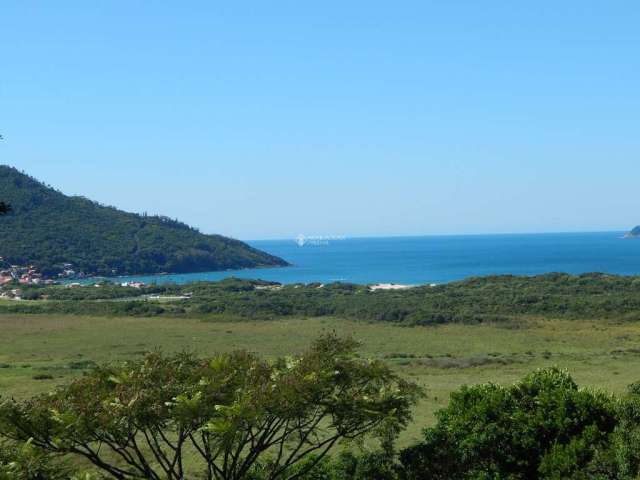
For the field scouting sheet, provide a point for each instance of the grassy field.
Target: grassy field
(39, 352)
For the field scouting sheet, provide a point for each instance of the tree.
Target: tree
(4, 208)
(541, 427)
(626, 439)
(233, 412)
(25, 462)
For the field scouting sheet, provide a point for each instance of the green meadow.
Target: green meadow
(39, 352)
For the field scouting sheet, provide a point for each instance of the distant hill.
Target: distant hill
(49, 229)
(635, 233)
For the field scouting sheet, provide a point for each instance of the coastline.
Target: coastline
(418, 261)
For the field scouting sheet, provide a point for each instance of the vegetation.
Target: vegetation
(501, 422)
(477, 300)
(440, 359)
(48, 230)
(4, 208)
(584, 435)
(235, 411)
(540, 427)
(247, 419)
(23, 461)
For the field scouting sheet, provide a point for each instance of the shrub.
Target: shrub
(541, 427)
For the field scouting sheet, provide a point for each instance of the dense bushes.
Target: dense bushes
(476, 300)
(541, 427)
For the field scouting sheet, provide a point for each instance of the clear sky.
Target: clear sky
(269, 119)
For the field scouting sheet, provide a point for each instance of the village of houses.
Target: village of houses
(12, 277)
(24, 275)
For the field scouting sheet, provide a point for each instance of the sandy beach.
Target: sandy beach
(389, 286)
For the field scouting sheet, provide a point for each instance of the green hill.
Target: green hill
(48, 229)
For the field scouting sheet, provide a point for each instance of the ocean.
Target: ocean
(433, 259)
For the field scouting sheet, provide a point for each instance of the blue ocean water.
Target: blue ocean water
(435, 259)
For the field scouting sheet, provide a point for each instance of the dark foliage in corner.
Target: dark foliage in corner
(541, 427)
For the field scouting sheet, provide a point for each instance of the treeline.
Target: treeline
(476, 300)
(50, 230)
(238, 417)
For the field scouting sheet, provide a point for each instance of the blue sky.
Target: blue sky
(269, 119)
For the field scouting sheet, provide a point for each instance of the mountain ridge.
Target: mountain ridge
(51, 230)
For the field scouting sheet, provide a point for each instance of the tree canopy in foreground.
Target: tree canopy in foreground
(229, 414)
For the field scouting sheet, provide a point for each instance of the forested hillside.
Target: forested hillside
(49, 229)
